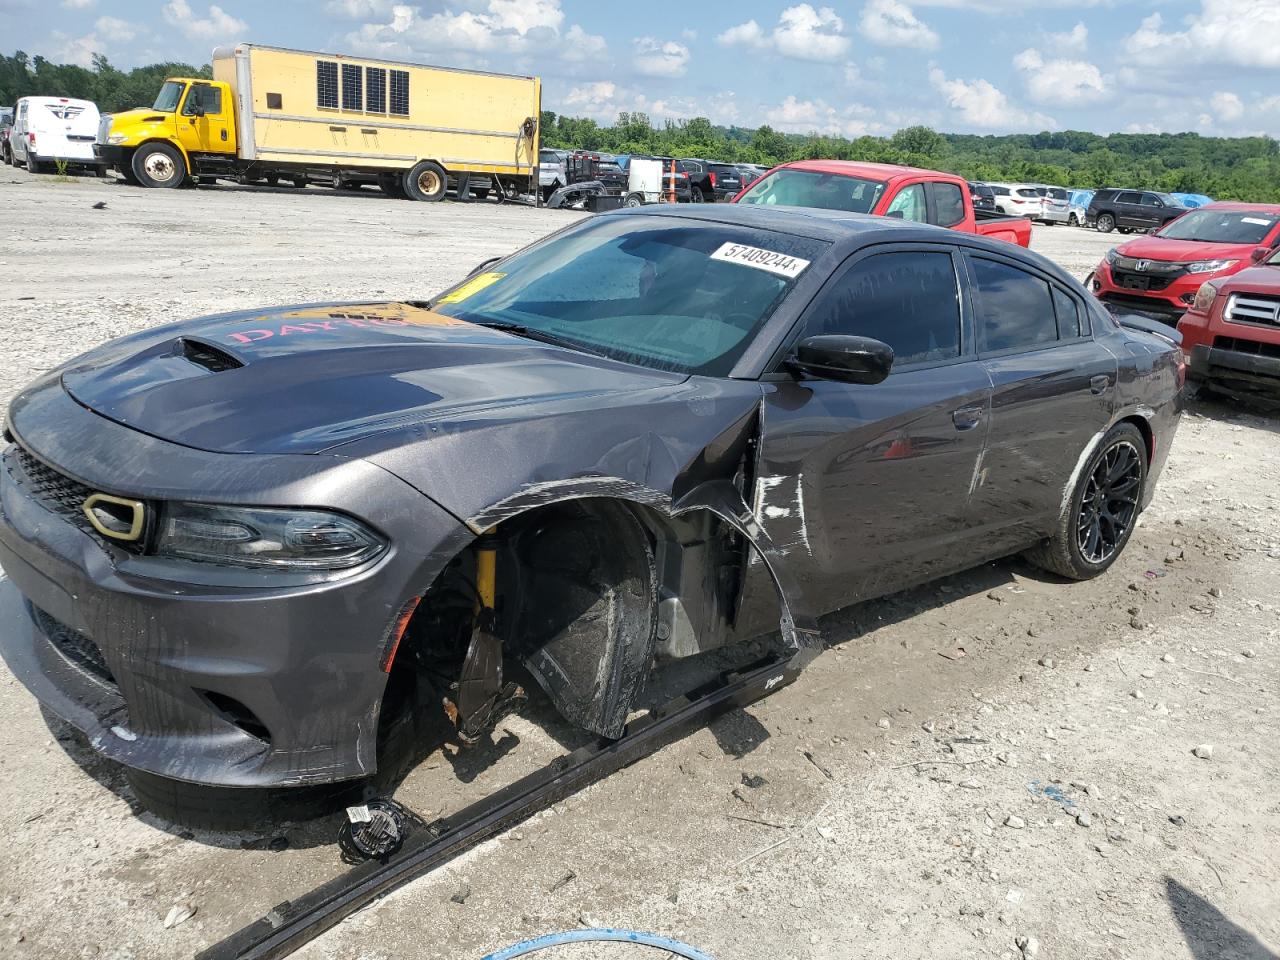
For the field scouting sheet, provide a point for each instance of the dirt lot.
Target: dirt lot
(994, 757)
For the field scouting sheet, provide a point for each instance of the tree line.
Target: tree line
(1229, 168)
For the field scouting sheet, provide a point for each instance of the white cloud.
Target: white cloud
(358, 9)
(817, 116)
(1074, 40)
(492, 27)
(660, 58)
(218, 25)
(802, 33)
(852, 75)
(603, 100)
(1227, 106)
(113, 28)
(1068, 82)
(893, 24)
(1008, 6)
(1243, 33)
(980, 104)
(76, 50)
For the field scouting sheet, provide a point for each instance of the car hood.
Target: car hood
(1184, 251)
(1253, 280)
(306, 379)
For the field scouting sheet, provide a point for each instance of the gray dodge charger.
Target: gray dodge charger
(244, 550)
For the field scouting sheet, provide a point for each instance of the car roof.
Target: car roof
(868, 171)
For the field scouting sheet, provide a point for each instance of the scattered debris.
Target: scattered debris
(1029, 946)
(1083, 819)
(100, 205)
(1014, 822)
(179, 913)
(753, 780)
(565, 879)
(460, 897)
(1204, 751)
(1047, 662)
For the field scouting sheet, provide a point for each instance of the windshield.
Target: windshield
(827, 191)
(167, 99)
(671, 294)
(1221, 226)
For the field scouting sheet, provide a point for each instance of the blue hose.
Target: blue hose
(598, 936)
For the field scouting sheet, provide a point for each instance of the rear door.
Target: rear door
(1053, 387)
(1153, 211)
(867, 485)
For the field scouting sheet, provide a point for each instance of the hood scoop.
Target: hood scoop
(212, 358)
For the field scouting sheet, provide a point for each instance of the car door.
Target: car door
(1128, 212)
(1152, 212)
(204, 125)
(867, 485)
(909, 203)
(1053, 390)
(946, 204)
(18, 136)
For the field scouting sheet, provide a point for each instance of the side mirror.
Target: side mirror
(195, 110)
(843, 358)
(1259, 254)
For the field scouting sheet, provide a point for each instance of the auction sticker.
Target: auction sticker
(782, 264)
(472, 287)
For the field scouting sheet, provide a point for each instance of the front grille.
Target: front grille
(1140, 281)
(1240, 345)
(54, 490)
(1252, 308)
(75, 647)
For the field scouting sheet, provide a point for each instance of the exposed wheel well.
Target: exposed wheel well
(1148, 435)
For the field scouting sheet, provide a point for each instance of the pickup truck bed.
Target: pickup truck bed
(988, 223)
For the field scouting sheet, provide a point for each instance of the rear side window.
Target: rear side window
(1127, 198)
(1071, 322)
(1000, 191)
(909, 300)
(949, 203)
(1015, 310)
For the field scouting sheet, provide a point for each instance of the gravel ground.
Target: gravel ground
(995, 757)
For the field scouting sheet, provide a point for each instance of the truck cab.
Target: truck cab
(191, 125)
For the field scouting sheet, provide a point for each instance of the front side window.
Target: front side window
(1014, 308)
(1151, 200)
(166, 100)
(676, 295)
(789, 187)
(949, 203)
(909, 300)
(207, 97)
(909, 204)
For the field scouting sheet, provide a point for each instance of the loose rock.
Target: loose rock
(1014, 822)
(179, 913)
(1204, 751)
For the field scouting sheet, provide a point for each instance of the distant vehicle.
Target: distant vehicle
(271, 112)
(6, 125)
(50, 130)
(1019, 200)
(1130, 210)
(750, 172)
(677, 180)
(1078, 207)
(887, 190)
(983, 197)
(1160, 274)
(1231, 333)
(1057, 205)
(551, 172)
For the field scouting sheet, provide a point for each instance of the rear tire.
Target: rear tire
(36, 166)
(695, 195)
(1102, 511)
(635, 200)
(1106, 223)
(158, 165)
(237, 808)
(426, 182)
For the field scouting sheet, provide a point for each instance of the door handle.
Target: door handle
(966, 418)
(1099, 384)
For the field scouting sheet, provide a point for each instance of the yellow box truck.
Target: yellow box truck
(275, 114)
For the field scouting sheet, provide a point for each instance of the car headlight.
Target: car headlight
(116, 138)
(1210, 266)
(1204, 298)
(265, 537)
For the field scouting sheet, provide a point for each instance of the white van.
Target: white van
(47, 130)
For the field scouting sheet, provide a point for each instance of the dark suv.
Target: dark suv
(1130, 210)
(710, 181)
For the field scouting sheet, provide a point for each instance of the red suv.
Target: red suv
(1231, 334)
(1160, 273)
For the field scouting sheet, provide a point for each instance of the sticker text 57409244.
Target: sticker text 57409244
(782, 264)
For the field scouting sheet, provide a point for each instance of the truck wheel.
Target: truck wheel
(426, 181)
(158, 165)
(1102, 510)
(635, 200)
(1106, 223)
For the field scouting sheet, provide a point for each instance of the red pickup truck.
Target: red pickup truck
(886, 190)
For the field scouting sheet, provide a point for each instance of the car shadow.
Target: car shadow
(1209, 934)
(1236, 409)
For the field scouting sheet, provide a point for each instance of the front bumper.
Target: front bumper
(144, 655)
(1168, 303)
(109, 153)
(1055, 216)
(1250, 372)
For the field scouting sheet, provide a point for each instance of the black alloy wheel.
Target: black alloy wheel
(1109, 506)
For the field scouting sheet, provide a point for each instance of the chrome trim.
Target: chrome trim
(1252, 310)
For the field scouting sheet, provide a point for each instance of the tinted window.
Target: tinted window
(1069, 319)
(209, 98)
(908, 300)
(828, 191)
(909, 204)
(1127, 198)
(1150, 200)
(1000, 191)
(949, 202)
(1014, 308)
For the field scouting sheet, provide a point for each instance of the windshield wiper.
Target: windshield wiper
(533, 333)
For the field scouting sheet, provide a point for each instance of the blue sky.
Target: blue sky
(873, 66)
